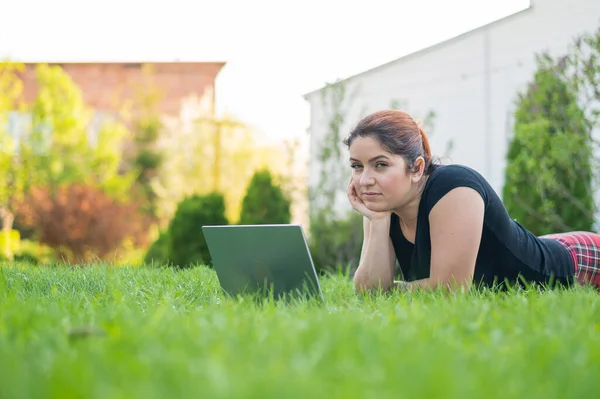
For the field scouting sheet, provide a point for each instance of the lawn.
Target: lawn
(101, 332)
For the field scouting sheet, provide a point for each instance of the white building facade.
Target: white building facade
(469, 82)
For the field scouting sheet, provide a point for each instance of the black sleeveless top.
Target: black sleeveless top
(507, 250)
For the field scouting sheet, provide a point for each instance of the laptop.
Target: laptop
(266, 259)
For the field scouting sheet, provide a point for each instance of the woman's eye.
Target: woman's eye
(355, 165)
(381, 164)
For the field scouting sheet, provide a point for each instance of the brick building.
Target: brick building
(185, 88)
(106, 86)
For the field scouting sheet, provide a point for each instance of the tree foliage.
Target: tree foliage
(265, 202)
(56, 148)
(12, 181)
(82, 223)
(147, 127)
(186, 245)
(550, 173)
(60, 149)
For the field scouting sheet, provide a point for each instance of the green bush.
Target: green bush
(185, 240)
(264, 202)
(158, 252)
(548, 177)
(335, 244)
(26, 257)
(32, 253)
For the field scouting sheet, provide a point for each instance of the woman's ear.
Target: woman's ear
(418, 169)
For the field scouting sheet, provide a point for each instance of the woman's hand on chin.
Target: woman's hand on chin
(359, 206)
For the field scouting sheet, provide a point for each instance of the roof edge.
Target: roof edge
(219, 64)
(427, 49)
(222, 63)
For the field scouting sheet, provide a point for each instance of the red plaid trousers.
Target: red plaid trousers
(584, 248)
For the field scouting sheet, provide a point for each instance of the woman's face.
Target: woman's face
(380, 178)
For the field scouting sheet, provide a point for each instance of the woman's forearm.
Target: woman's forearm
(376, 269)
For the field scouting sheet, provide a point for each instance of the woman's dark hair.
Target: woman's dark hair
(398, 133)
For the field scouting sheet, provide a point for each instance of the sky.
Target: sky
(276, 51)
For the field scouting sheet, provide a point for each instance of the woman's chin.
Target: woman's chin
(376, 207)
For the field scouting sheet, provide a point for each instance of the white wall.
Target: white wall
(470, 82)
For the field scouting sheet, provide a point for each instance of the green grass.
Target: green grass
(156, 333)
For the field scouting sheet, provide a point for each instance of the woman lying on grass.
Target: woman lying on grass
(445, 224)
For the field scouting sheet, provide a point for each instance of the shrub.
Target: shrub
(548, 178)
(335, 244)
(9, 243)
(186, 244)
(78, 221)
(158, 252)
(264, 202)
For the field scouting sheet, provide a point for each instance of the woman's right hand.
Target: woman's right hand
(359, 206)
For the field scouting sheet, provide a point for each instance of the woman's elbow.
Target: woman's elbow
(452, 283)
(362, 284)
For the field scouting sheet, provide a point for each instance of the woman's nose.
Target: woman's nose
(366, 179)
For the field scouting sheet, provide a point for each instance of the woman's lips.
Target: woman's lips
(371, 195)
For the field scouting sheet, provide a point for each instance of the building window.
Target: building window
(17, 126)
